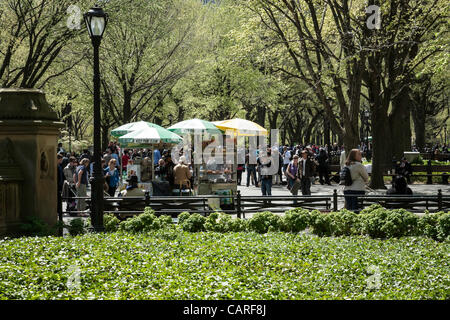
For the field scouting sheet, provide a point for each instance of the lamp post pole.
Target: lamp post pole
(96, 21)
(97, 181)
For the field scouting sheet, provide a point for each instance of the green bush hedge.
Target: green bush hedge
(374, 221)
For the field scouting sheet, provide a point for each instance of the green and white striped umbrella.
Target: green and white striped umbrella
(193, 125)
(133, 126)
(153, 134)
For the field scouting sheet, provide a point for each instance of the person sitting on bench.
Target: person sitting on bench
(399, 186)
(132, 189)
(182, 174)
(404, 168)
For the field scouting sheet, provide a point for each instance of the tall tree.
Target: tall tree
(33, 34)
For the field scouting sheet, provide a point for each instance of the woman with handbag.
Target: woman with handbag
(292, 175)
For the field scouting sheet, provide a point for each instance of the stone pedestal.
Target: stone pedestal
(29, 130)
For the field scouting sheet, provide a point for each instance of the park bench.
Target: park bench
(428, 171)
(412, 203)
(174, 205)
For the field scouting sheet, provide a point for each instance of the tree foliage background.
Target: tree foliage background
(307, 67)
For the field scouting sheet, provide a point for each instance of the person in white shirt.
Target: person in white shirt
(359, 180)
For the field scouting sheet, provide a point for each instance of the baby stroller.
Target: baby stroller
(70, 194)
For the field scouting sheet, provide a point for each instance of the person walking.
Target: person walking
(265, 166)
(112, 176)
(292, 175)
(69, 172)
(359, 180)
(305, 172)
(251, 171)
(81, 180)
(107, 156)
(240, 169)
(323, 168)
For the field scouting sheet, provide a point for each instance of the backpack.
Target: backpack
(346, 177)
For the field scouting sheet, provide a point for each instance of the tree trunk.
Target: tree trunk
(326, 132)
(400, 124)
(419, 118)
(261, 115)
(127, 107)
(381, 147)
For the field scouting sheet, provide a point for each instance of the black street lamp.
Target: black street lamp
(96, 20)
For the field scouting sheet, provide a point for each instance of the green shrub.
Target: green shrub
(427, 225)
(76, 227)
(383, 223)
(238, 225)
(345, 223)
(221, 222)
(183, 217)
(211, 223)
(321, 223)
(443, 226)
(141, 223)
(194, 223)
(263, 222)
(295, 220)
(371, 208)
(111, 223)
(166, 222)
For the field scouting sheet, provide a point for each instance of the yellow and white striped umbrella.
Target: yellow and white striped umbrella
(241, 127)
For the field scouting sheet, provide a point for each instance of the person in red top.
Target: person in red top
(125, 159)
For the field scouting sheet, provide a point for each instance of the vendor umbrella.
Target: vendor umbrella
(194, 125)
(150, 135)
(133, 126)
(241, 127)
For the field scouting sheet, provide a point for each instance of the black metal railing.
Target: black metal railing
(240, 205)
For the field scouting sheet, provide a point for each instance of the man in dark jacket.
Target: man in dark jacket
(323, 169)
(305, 172)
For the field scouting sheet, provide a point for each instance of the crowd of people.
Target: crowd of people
(76, 170)
(299, 167)
(433, 149)
(303, 165)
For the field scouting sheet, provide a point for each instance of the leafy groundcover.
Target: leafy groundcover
(175, 264)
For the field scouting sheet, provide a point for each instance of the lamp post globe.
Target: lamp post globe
(96, 20)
